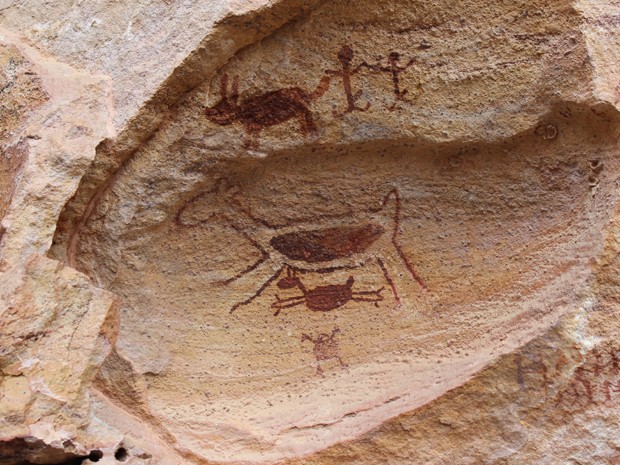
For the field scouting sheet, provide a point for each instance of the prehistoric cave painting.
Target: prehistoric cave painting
(345, 56)
(261, 111)
(322, 298)
(394, 69)
(596, 381)
(314, 248)
(325, 348)
(258, 112)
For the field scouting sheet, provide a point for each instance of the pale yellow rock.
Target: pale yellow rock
(56, 329)
(49, 149)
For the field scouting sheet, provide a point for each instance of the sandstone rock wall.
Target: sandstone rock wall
(309, 232)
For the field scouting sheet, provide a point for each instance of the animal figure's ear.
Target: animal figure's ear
(234, 96)
(288, 282)
(224, 86)
(350, 281)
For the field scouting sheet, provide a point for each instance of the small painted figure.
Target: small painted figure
(345, 56)
(614, 366)
(258, 112)
(609, 388)
(394, 69)
(325, 348)
(322, 298)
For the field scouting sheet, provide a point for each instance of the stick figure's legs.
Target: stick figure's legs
(400, 97)
(351, 99)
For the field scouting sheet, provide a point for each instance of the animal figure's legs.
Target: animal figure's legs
(406, 285)
(390, 282)
(289, 299)
(281, 305)
(392, 202)
(307, 125)
(251, 138)
(242, 288)
(264, 257)
(368, 296)
(376, 293)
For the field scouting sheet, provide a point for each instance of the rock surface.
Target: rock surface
(315, 232)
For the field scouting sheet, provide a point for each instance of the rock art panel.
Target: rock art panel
(358, 213)
(428, 260)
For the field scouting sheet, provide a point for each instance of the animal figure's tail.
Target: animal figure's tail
(321, 88)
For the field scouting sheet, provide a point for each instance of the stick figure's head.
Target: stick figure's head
(345, 55)
(394, 57)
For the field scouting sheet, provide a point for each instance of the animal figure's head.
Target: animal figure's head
(225, 111)
(289, 282)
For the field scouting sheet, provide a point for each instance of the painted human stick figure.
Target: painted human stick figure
(345, 56)
(258, 112)
(395, 70)
(325, 348)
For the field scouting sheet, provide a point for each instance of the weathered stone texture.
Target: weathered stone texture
(314, 232)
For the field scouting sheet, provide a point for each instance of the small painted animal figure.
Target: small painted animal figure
(258, 112)
(325, 348)
(322, 298)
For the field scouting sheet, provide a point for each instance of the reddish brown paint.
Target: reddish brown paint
(394, 193)
(325, 348)
(315, 246)
(329, 244)
(322, 298)
(345, 56)
(258, 112)
(394, 69)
